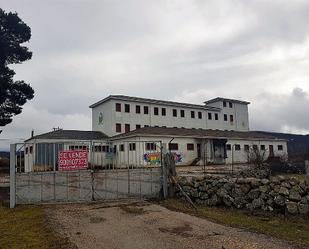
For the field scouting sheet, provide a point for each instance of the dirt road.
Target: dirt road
(148, 226)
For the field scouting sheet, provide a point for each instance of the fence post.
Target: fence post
(12, 176)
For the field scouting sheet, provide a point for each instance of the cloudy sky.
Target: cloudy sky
(84, 50)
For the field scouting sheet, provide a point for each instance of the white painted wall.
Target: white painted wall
(111, 117)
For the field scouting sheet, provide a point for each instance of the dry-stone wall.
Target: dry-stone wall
(278, 194)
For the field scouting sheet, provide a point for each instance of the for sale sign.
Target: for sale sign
(72, 159)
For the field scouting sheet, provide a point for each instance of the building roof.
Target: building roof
(195, 133)
(153, 101)
(71, 135)
(228, 100)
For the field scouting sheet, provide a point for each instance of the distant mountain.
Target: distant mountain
(5, 154)
(297, 144)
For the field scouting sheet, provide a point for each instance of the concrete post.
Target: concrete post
(307, 166)
(12, 176)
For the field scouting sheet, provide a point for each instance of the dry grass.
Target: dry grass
(295, 229)
(132, 209)
(26, 227)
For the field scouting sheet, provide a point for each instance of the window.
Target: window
(192, 114)
(121, 147)
(156, 111)
(126, 127)
(173, 146)
(255, 147)
(237, 146)
(174, 113)
(115, 148)
(97, 148)
(118, 107)
(132, 146)
(228, 147)
(209, 116)
(231, 118)
(146, 125)
(262, 147)
(216, 116)
(138, 126)
(182, 113)
(199, 114)
(246, 147)
(105, 148)
(280, 147)
(146, 110)
(151, 146)
(163, 112)
(190, 146)
(118, 127)
(224, 103)
(230, 104)
(138, 109)
(26, 150)
(225, 117)
(127, 108)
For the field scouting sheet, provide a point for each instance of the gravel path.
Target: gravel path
(148, 226)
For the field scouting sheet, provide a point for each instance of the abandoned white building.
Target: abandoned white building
(135, 131)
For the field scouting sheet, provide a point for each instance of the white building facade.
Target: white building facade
(119, 114)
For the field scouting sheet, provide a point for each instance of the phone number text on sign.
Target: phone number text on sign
(73, 159)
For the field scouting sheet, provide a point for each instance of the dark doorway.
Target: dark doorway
(271, 150)
(198, 146)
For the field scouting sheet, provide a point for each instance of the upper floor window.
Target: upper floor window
(192, 114)
(246, 147)
(118, 107)
(262, 147)
(255, 147)
(231, 118)
(163, 111)
(174, 112)
(156, 111)
(280, 147)
(138, 126)
(199, 114)
(216, 116)
(126, 127)
(225, 117)
(230, 104)
(228, 147)
(127, 107)
(182, 113)
(237, 146)
(118, 127)
(209, 116)
(173, 146)
(138, 109)
(224, 103)
(146, 111)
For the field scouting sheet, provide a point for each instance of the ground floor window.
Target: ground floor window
(280, 147)
(151, 146)
(190, 146)
(173, 146)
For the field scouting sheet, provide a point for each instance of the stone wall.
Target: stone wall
(277, 194)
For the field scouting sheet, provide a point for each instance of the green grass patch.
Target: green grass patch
(295, 229)
(26, 227)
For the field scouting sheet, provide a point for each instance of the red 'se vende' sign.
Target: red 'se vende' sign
(72, 159)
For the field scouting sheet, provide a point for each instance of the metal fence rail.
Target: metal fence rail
(115, 171)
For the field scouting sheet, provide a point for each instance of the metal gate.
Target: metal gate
(131, 169)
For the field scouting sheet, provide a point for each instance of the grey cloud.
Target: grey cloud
(182, 50)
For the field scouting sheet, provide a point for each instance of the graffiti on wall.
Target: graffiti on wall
(155, 157)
